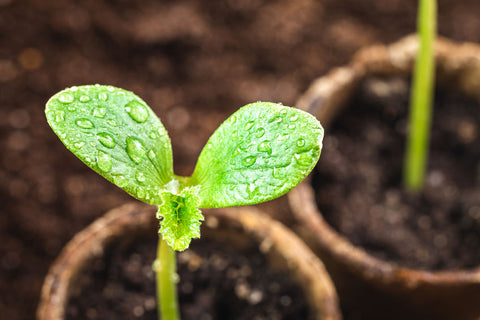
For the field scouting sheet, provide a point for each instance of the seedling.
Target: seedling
(259, 153)
(421, 98)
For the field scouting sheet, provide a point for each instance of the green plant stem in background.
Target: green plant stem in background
(421, 98)
(167, 278)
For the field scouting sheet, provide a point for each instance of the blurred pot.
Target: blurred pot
(379, 288)
(234, 226)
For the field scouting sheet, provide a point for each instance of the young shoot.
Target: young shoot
(259, 153)
(421, 98)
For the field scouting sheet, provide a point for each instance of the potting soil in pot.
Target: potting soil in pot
(216, 282)
(358, 180)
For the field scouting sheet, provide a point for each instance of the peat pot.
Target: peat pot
(371, 283)
(243, 237)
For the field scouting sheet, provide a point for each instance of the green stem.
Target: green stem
(421, 98)
(165, 268)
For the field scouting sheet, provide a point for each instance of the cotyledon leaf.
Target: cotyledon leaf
(261, 152)
(115, 133)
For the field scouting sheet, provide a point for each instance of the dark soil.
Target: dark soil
(193, 61)
(215, 283)
(359, 179)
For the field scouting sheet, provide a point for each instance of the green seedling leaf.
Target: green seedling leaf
(259, 153)
(116, 134)
(181, 217)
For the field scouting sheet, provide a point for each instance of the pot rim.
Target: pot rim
(271, 236)
(458, 63)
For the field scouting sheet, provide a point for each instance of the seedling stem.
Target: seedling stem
(167, 278)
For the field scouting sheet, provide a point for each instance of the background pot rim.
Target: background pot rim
(458, 63)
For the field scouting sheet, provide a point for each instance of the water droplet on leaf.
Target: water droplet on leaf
(153, 135)
(276, 173)
(103, 96)
(106, 139)
(104, 162)
(59, 116)
(303, 159)
(137, 111)
(78, 145)
(120, 181)
(66, 98)
(141, 192)
(260, 132)
(243, 147)
(301, 142)
(249, 125)
(249, 161)
(84, 98)
(135, 149)
(113, 123)
(151, 155)
(265, 147)
(99, 112)
(84, 123)
(140, 177)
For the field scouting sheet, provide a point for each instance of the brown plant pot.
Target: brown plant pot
(236, 227)
(380, 289)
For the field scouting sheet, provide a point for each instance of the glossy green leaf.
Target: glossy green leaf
(115, 133)
(181, 218)
(259, 153)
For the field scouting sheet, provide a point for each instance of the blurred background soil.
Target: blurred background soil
(195, 62)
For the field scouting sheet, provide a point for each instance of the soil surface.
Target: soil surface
(359, 179)
(193, 61)
(215, 283)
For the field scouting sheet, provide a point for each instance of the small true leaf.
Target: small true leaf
(259, 153)
(115, 133)
(181, 217)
